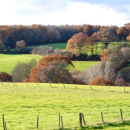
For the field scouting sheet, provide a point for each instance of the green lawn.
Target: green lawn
(84, 65)
(21, 104)
(8, 62)
(61, 46)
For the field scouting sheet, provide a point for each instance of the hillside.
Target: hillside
(22, 103)
(8, 62)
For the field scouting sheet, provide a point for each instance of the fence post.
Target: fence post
(3, 121)
(76, 87)
(64, 85)
(102, 117)
(83, 119)
(1, 82)
(121, 114)
(50, 85)
(59, 120)
(14, 82)
(5, 128)
(62, 121)
(37, 122)
(80, 119)
(91, 88)
(124, 89)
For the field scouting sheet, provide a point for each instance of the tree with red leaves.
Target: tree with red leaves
(77, 43)
(5, 77)
(52, 69)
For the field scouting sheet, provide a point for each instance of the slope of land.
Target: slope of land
(8, 62)
(22, 103)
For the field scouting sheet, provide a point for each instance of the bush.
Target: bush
(104, 54)
(52, 69)
(22, 70)
(125, 74)
(42, 50)
(120, 82)
(77, 77)
(5, 77)
(20, 45)
(101, 81)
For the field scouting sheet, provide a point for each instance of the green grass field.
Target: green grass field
(21, 103)
(8, 62)
(61, 46)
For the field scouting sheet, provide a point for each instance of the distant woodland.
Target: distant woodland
(41, 34)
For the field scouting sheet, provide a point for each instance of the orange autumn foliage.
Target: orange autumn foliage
(101, 81)
(51, 67)
(103, 55)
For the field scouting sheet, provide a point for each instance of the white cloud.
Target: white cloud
(75, 13)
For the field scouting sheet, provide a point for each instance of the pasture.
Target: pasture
(21, 103)
(61, 46)
(8, 62)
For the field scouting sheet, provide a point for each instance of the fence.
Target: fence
(64, 121)
(124, 89)
(69, 120)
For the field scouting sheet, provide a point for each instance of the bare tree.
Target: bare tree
(103, 69)
(43, 50)
(20, 45)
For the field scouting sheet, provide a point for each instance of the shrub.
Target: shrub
(42, 50)
(26, 80)
(124, 73)
(104, 54)
(120, 82)
(77, 77)
(101, 81)
(5, 77)
(20, 45)
(52, 69)
(22, 70)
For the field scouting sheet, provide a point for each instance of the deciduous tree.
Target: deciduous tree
(20, 45)
(77, 43)
(52, 69)
(22, 70)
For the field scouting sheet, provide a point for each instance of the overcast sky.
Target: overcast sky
(61, 12)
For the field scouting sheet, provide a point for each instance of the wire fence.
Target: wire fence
(69, 121)
(118, 89)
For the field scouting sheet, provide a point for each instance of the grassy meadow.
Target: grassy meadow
(61, 46)
(22, 103)
(8, 62)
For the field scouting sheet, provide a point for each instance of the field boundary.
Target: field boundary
(82, 122)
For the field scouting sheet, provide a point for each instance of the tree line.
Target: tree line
(41, 34)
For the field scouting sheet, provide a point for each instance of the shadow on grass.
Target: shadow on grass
(101, 126)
